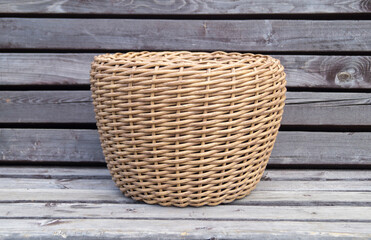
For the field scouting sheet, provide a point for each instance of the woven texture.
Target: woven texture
(187, 128)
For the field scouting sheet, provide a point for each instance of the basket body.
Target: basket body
(187, 128)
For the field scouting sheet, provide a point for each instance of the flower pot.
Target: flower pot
(187, 128)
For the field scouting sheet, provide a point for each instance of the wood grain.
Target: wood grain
(317, 209)
(104, 184)
(183, 7)
(223, 212)
(44, 68)
(143, 34)
(82, 146)
(302, 108)
(102, 173)
(278, 187)
(281, 198)
(73, 69)
(109, 229)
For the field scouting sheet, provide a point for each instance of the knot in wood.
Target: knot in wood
(344, 76)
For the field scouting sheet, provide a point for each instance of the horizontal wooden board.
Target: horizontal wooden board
(154, 34)
(102, 173)
(103, 184)
(278, 187)
(223, 212)
(94, 185)
(302, 108)
(73, 69)
(280, 198)
(192, 7)
(68, 145)
(109, 229)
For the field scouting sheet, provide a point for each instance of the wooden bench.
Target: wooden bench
(53, 180)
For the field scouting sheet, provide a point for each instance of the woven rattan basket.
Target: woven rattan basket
(187, 128)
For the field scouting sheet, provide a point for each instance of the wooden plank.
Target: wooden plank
(50, 145)
(103, 184)
(312, 108)
(73, 69)
(153, 34)
(57, 172)
(222, 212)
(44, 69)
(280, 198)
(322, 148)
(103, 173)
(181, 229)
(46, 106)
(302, 108)
(327, 71)
(192, 7)
(68, 145)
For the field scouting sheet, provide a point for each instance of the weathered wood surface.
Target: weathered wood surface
(327, 206)
(302, 108)
(279, 198)
(69, 145)
(292, 187)
(102, 173)
(73, 69)
(183, 7)
(225, 212)
(103, 184)
(110, 229)
(143, 34)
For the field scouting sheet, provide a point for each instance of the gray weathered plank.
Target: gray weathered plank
(302, 108)
(183, 7)
(222, 212)
(281, 198)
(103, 173)
(68, 145)
(233, 35)
(73, 69)
(44, 68)
(103, 184)
(181, 229)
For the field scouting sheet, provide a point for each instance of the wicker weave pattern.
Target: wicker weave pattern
(187, 128)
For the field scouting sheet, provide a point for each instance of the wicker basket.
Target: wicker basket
(187, 128)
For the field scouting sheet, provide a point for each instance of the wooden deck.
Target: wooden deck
(53, 180)
(74, 203)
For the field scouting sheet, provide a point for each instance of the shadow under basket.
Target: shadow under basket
(182, 128)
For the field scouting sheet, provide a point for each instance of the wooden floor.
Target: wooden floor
(75, 203)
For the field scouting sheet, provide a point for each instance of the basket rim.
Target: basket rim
(184, 57)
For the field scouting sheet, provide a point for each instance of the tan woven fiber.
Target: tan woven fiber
(187, 128)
